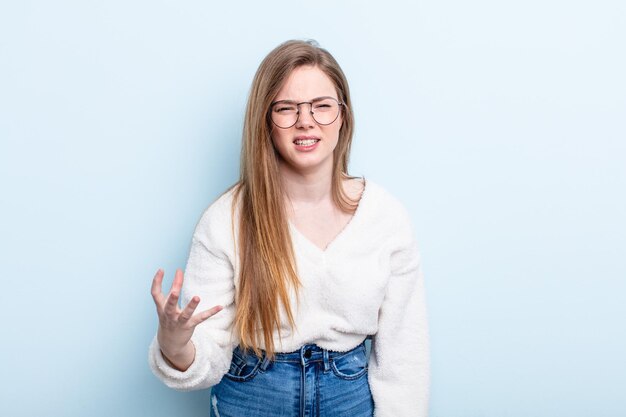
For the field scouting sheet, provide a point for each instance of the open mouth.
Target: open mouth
(306, 142)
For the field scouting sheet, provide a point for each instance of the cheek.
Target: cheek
(279, 138)
(333, 132)
(338, 126)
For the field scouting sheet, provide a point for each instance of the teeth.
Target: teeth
(306, 142)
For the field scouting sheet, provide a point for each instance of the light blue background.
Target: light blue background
(501, 126)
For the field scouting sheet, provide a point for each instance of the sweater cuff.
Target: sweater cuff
(173, 378)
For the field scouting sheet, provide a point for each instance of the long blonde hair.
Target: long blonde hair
(267, 261)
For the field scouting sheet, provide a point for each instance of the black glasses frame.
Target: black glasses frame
(340, 104)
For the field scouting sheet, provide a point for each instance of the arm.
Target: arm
(209, 275)
(399, 367)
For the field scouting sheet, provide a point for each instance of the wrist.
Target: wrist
(180, 360)
(170, 344)
(174, 351)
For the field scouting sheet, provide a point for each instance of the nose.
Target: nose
(305, 116)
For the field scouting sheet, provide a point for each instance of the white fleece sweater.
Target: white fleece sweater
(368, 281)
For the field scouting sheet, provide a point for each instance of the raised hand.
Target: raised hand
(176, 326)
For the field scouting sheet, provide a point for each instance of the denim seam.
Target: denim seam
(346, 376)
(239, 367)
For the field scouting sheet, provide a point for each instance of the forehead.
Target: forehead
(305, 83)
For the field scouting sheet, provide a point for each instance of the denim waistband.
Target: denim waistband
(305, 354)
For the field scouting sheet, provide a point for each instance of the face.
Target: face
(303, 85)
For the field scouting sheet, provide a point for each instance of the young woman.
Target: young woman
(295, 265)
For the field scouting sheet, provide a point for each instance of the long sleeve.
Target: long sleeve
(209, 274)
(399, 367)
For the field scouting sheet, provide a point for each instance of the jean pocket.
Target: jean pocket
(243, 367)
(352, 365)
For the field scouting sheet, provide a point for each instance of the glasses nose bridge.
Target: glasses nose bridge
(311, 113)
(310, 103)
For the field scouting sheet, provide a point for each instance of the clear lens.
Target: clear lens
(285, 113)
(325, 111)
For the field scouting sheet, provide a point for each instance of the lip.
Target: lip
(304, 137)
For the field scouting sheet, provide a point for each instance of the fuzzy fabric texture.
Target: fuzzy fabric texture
(368, 281)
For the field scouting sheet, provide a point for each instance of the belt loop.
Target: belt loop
(326, 361)
(265, 362)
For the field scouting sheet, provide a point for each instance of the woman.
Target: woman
(295, 265)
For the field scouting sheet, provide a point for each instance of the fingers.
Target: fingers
(171, 305)
(157, 295)
(178, 281)
(186, 314)
(202, 316)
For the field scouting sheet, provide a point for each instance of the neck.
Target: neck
(307, 187)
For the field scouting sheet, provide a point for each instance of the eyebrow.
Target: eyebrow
(294, 101)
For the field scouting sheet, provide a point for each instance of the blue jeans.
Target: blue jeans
(309, 382)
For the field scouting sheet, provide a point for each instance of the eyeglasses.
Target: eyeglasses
(285, 113)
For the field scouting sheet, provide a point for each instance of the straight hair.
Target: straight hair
(267, 262)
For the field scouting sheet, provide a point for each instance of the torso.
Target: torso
(320, 224)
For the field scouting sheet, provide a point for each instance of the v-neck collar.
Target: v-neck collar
(344, 231)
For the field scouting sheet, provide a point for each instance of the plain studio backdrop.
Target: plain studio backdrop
(500, 125)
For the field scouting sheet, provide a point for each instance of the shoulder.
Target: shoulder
(387, 203)
(216, 219)
(354, 187)
(387, 215)
(397, 220)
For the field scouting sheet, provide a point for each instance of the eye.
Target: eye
(285, 108)
(324, 105)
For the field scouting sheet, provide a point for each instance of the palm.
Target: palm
(176, 325)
